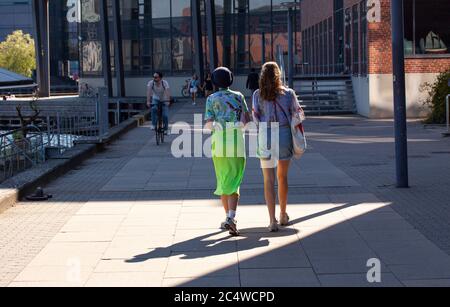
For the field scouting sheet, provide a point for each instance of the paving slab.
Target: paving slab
(291, 277)
(125, 279)
(358, 280)
(203, 282)
(198, 264)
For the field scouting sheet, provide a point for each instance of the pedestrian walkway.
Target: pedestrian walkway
(135, 216)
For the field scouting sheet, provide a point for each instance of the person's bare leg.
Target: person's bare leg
(269, 192)
(233, 201)
(283, 186)
(224, 199)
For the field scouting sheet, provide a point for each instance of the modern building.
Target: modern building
(353, 37)
(332, 39)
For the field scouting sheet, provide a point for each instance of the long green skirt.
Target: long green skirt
(229, 175)
(228, 151)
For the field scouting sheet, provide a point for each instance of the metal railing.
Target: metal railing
(57, 131)
(326, 95)
(22, 149)
(18, 153)
(447, 108)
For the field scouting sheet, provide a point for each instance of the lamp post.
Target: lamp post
(398, 62)
(291, 6)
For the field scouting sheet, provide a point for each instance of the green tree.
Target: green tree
(17, 53)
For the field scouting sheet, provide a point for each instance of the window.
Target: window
(181, 36)
(339, 44)
(325, 47)
(260, 32)
(321, 48)
(330, 46)
(427, 30)
(355, 39)
(363, 38)
(91, 44)
(348, 40)
(162, 45)
(316, 49)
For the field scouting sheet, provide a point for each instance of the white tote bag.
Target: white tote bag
(298, 136)
(298, 132)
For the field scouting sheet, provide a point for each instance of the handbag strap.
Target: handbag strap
(282, 109)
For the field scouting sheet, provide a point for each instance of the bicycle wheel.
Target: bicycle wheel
(185, 92)
(162, 136)
(157, 136)
(160, 128)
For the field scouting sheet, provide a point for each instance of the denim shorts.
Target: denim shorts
(285, 150)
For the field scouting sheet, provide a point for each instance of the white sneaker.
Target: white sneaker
(152, 127)
(231, 226)
(224, 223)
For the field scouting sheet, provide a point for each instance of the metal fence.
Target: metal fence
(447, 109)
(24, 148)
(57, 131)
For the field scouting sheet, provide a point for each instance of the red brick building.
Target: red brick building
(353, 37)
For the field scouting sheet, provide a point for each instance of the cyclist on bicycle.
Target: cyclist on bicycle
(158, 93)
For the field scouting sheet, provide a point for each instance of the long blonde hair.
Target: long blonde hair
(270, 83)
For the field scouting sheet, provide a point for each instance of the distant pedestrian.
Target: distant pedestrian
(275, 103)
(208, 85)
(226, 112)
(253, 81)
(194, 86)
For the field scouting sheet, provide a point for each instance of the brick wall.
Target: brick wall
(379, 41)
(349, 3)
(427, 65)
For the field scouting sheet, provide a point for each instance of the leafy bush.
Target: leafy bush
(436, 101)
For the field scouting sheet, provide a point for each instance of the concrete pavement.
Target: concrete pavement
(136, 216)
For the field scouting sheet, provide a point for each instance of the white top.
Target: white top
(159, 91)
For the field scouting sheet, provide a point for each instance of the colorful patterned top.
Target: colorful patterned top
(225, 106)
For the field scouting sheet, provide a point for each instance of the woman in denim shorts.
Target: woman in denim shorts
(273, 105)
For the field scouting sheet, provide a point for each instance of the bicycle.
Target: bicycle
(159, 129)
(86, 91)
(185, 89)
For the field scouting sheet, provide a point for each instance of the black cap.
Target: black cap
(222, 77)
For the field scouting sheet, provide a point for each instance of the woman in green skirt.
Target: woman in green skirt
(226, 114)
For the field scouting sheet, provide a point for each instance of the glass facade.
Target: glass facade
(338, 44)
(157, 35)
(64, 52)
(15, 15)
(64, 46)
